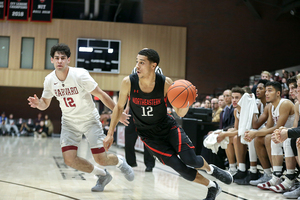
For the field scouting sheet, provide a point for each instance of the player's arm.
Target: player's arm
(296, 110)
(181, 112)
(117, 112)
(41, 104)
(257, 122)
(104, 97)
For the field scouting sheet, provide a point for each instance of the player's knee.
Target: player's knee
(194, 161)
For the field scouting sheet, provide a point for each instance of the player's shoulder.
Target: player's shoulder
(288, 102)
(50, 76)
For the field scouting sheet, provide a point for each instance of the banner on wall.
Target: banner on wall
(18, 10)
(41, 10)
(2, 9)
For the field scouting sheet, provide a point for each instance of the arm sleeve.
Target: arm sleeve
(294, 132)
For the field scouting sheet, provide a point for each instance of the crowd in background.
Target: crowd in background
(40, 127)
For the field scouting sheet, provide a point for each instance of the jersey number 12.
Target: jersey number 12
(69, 102)
(147, 111)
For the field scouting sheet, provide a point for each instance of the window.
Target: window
(27, 53)
(4, 51)
(49, 44)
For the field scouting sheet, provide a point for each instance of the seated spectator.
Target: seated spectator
(12, 125)
(207, 104)
(41, 130)
(196, 105)
(24, 129)
(216, 110)
(38, 119)
(3, 124)
(49, 125)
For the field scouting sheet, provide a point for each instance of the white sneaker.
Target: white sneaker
(298, 198)
(286, 185)
(102, 182)
(263, 179)
(126, 170)
(266, 186)
(292, 194)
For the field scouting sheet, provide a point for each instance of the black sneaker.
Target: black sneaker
(250, 177)
(240, 175)
(213, 192)
(222, 175)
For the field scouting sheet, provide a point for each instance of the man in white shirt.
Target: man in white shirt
(73, 87)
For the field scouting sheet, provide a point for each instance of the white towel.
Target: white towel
(248, 108)
(210, 141)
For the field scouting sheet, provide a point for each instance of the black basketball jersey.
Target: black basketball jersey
(149, 110)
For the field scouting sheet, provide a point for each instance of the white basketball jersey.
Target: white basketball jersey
(73, 94)
(275, 115)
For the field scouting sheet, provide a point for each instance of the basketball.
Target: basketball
(181, 93)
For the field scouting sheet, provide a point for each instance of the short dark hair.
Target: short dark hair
(237, 89)
(275, 85)
(292, 80)
(60, 48)
(151, 54)
(263, 81)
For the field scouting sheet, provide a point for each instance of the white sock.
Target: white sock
(268, 171)
(232, 167)
(211, 170)
(253, 169)
(242, 167)
(290, 171)
(277, 168)
(120, 161)
(98, 171)
(211, 184)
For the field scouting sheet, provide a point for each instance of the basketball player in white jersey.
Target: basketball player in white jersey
(73, 87)
(283, 133)
(280, 114)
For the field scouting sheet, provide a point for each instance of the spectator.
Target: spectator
(3, 124)
(216, 110)
(24, 129)
(41, 130)
(12, 125)
(38, 119)
(207, 104)
(277, 77)
(49, 125)
(221, 101)
(265, 75)
(197, 105)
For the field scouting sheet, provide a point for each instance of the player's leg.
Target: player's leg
(240, 152)
(277, 160)
(130, 140)
(290, 176)
(95, 137)
(185, 149)
(230, 153)
(149, 160)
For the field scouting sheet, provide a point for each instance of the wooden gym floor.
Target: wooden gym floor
(33, 169)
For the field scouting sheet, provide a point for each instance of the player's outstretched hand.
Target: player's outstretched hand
(124, 118)
(107, 142)
(33, 101)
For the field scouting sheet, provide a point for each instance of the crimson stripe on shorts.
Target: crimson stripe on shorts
(155, 150)
(191, 147)
(98, 150)
(179, 140)
(67, 148)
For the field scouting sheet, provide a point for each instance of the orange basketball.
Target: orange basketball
(182, 93)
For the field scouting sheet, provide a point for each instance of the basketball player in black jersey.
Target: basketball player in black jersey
(161, 134)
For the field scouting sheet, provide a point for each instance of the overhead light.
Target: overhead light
(86, 49)
(110, 50)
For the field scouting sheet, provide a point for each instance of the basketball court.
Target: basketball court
(33, 169)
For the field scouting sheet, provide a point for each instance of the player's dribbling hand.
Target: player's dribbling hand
(107, 142)
(33, 101)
